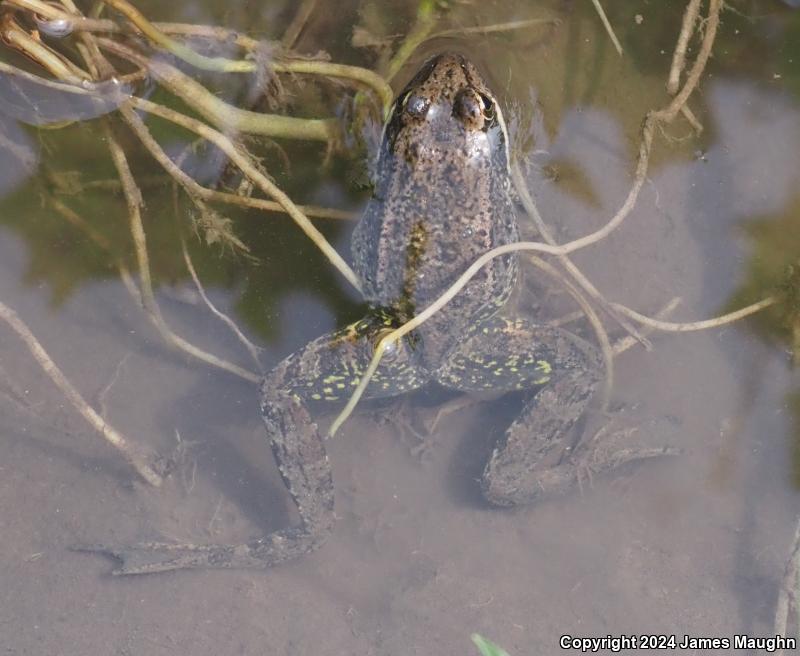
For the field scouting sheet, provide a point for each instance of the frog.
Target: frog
(443, 197)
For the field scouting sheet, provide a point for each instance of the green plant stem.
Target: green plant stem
(427, 17)
(252, 172)
(224, 115)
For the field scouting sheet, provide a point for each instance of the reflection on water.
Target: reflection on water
(693, 545)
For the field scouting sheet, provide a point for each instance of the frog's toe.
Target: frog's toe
(507, 486)
(152, 557)
(509, 480)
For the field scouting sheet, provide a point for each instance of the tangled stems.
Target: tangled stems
(256, 176)
(158, 34)
(389, 338)
(135, 455)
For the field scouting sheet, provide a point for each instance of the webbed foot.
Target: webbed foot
(305, 469)
(153, 557)
(535, 457)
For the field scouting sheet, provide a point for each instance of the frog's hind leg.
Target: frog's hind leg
(532, 459)
(506, 355)
(304, 466)
(328, 368)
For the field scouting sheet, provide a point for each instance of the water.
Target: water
(690, 545)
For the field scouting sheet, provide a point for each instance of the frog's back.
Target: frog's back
(442, 200)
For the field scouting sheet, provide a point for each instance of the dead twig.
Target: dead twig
(610, 30)
(135, 455)
(597, 325)
(252, 349)
(299, 21)
(134, 202)
(716, 322)
(627, 342)
(787, 595)
(533, 212)
(679, 56)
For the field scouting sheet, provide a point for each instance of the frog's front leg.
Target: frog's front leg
(328, 369)
(531, 460)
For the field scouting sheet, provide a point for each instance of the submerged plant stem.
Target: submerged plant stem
(597, 325)
(299, 21)
(222, 114)
(133, 454)
(195, 189)
(788, 593)
(582, 280)
(679, 56)
(427, 17)
(252, 349)
(685, 327)
(134, 202)
(607, 25)
(251, 171)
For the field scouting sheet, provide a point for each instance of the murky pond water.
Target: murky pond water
(693, 544)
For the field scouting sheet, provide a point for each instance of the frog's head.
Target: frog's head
(446, 114)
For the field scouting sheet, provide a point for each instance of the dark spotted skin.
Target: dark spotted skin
(442, 200)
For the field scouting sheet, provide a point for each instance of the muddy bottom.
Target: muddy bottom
(689, 545)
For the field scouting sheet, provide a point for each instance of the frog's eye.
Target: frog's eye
(487, 107)
(415, 105)
(467, 107)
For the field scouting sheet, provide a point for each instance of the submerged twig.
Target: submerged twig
(494, 27)
(610, 30)
(788, 593)
(252, 172)
(530, 207)
(653, 118)
(134, 202)
(299, 21)
(194, 188)
(58, 65)
(79, 222)
(252, 349)
(135, 455)
(597, 325)
(684, 327)
(427, 16)
(679, 56)
(627, 342)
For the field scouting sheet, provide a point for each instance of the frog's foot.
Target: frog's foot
(532, 460)
(305, 469)
(609, 450)
(153, 557)
(522, 470)
(505, 355)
